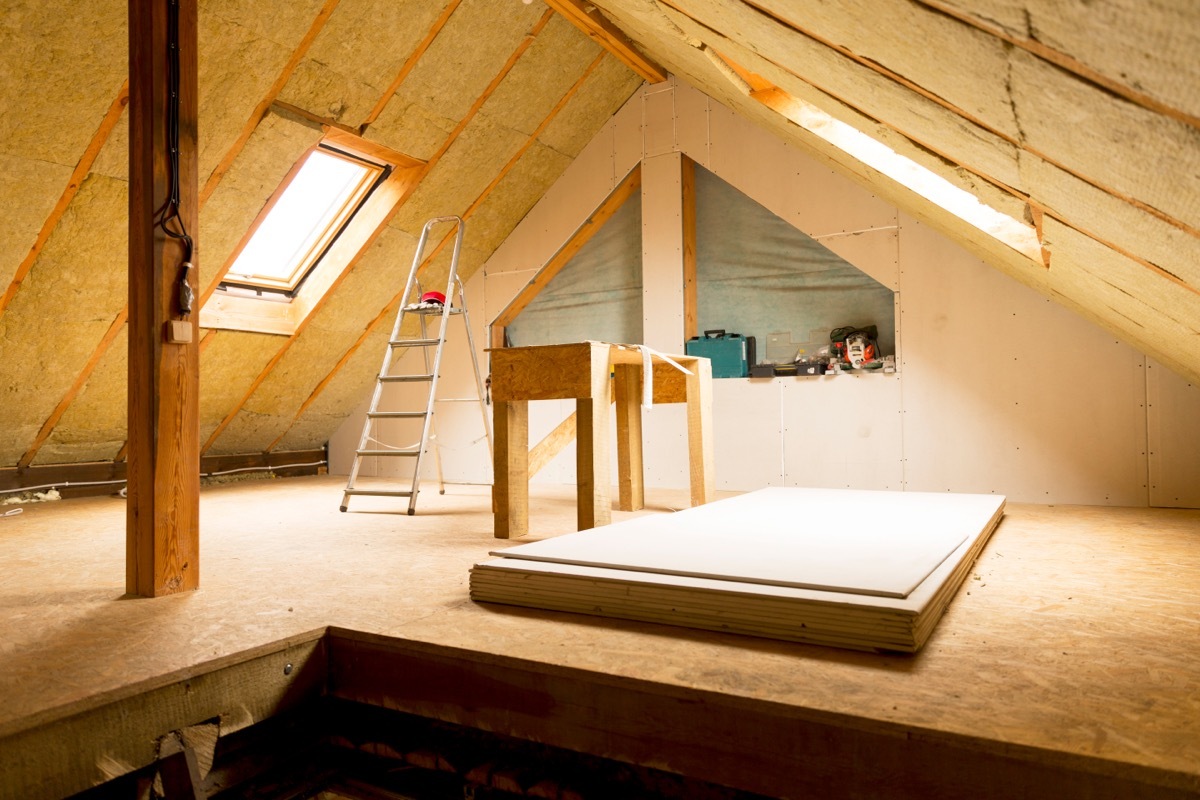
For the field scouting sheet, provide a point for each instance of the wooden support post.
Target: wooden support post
(163, 510)
(510, 488)
(700, 433)
(180, 774)
(591, 445)
(631, 493)
(691, 324)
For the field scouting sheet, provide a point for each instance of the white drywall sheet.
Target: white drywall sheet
(881, 544)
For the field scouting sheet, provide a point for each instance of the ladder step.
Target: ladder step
(435, 310)
(413, 342)
(381, 492)
(396, 414)
(409, 453)
(405, 378)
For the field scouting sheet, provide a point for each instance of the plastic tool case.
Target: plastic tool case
(731, 353)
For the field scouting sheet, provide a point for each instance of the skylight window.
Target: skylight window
(304, 220)
(964, 205)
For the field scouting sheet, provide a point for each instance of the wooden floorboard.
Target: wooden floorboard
(1071, 652)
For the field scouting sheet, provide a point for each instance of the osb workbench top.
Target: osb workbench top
(1078, 632)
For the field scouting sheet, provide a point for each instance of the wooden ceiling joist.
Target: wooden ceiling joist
(588, 19)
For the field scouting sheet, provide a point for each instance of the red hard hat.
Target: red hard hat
(434, 297)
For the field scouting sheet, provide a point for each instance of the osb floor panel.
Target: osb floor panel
(1078, 630)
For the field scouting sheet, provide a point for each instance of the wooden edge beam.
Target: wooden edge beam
(599, 29)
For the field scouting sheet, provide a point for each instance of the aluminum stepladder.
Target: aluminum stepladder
(402, 340)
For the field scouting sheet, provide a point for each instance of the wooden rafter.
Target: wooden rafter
(260, 110)
(875, 66)
(389, 310)
(631, 183)
(765, 92)
(210, 186)
(410, 62)
(429, 165)
(1064, 61)
(118, 325)
(73, 183)
(587, 18)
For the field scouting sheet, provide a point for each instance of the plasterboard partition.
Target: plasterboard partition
(662, 253)
(1173, 434)
(998, 390)
(1006, 391)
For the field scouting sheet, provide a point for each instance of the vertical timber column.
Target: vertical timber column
(163, 508)
(510, 466)
(631, 492)
(592, 461)
(701, 463)
(687, 184)
(662, 253)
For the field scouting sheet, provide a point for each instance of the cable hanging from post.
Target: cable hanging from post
(169, 219)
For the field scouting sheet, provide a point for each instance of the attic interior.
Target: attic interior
(1018, 175)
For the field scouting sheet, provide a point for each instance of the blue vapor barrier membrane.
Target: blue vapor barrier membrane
(757, 275)
(597, 295)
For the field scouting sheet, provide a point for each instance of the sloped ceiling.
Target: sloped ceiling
(1080, 116)
(496, 96)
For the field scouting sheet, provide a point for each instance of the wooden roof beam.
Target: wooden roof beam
(587, 18)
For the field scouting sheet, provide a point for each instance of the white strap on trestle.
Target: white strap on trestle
(648, 355)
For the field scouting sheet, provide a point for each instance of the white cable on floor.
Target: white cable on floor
(68, 484)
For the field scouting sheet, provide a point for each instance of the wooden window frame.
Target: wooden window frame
(275, 312)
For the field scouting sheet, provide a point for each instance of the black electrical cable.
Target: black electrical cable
(169, 213)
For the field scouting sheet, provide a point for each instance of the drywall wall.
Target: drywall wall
(999, 389)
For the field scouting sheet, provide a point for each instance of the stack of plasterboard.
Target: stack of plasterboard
(859, 569)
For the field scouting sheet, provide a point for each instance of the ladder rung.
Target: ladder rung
(413, 342)
(405, 378)
(396, 414)
(381, 492)
(437, 311)
(409, 453)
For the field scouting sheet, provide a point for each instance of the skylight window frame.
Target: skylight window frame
(272, 288)
(270, 311)
(1019, 235)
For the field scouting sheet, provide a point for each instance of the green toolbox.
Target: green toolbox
(731, 353)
